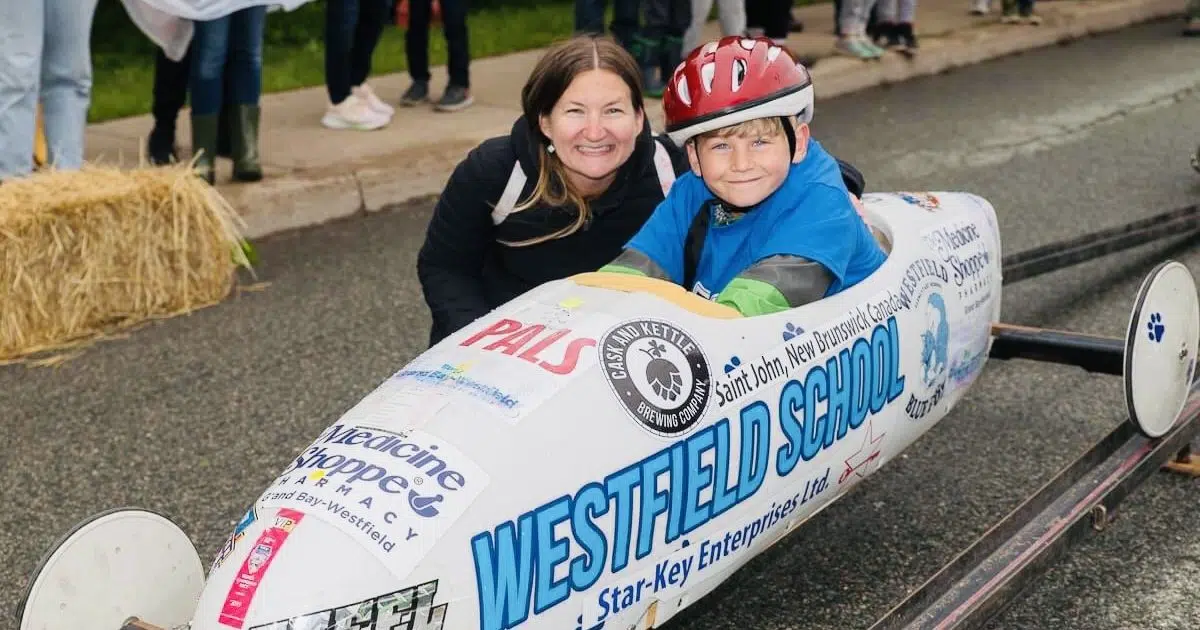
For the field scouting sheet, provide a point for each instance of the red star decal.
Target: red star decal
(867, 453)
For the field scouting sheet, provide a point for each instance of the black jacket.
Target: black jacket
(465, 272)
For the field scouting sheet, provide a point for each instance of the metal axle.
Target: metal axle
(1103, 355)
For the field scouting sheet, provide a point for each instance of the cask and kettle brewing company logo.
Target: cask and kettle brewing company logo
(659, 373)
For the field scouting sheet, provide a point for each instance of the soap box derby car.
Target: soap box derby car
(602, 451)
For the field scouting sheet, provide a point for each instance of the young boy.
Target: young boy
(764, 222)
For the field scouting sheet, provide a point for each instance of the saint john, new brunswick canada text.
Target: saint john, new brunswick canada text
(515, 563)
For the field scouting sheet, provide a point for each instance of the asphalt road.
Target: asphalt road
(193, 416)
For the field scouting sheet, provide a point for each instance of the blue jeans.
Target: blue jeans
(231, 44)
(589, 18)
(44, 54)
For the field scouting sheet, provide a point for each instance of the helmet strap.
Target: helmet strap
(790, 131)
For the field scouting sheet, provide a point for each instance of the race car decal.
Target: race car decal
(659, 373)
(254, 568)
(968, 251)
(239, 532)
(666, 497)
(394, 491)
(925, 201)
(509, 363)
(411, 608)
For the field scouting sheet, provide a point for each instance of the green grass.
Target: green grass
(293, 50)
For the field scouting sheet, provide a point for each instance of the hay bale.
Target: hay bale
(85, 252)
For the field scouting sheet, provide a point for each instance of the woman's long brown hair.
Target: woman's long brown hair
(549, 80)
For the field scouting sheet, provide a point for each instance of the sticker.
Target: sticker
(511, 362)
(622, 519)
(966, 249)
(411, 608)
(866, 459)
(239, 532)
(435, 380)
(396, 402)
(659, 373)
(930, 386)
(698, 559)
(925, 201)
(254, 568)
(394, 491)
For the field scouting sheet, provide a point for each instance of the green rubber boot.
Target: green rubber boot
(243, 140)
(204, 144)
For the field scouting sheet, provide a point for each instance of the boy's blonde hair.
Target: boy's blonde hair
(771, 126)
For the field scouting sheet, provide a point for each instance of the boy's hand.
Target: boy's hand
(858, 205)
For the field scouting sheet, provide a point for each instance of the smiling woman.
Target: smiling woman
(561, 194)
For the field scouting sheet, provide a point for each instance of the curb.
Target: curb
(287, 203)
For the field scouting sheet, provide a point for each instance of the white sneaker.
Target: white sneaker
(980, 7)
(354, 113)
(365, 93)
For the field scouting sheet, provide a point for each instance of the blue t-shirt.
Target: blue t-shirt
(811, 215)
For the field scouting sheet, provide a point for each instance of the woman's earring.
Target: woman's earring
(550, 148)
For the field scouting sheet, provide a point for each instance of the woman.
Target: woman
(44, 57)
(229, 44)
(561, 194)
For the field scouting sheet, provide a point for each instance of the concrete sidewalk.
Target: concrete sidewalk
(315, 174)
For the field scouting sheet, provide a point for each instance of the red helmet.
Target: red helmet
(733, 80)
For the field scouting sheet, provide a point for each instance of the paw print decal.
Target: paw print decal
(1156, 328)
(791, 330)
(732, 365)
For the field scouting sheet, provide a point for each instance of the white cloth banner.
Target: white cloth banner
(168, 23)
(172, 34)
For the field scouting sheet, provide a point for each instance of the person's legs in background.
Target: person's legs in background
(416, 45)
(794, 25)
(169, 96)
(852, 40)
(416, 48)
(756, 18)
(589, 16)
(895, 27)
(206, 87)
(700, 11)
(372, 16)
(1018, 11)
(777, 20)
(245, 69)
(626, 23)
(454, 26)
(730, 13)
(66, 85)
(679, 18)
(1191, 27)
(659, 43)
(648, 44)
(732, 16)
(22, 25)
(346, 109)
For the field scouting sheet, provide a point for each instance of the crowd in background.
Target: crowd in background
(45, 60)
